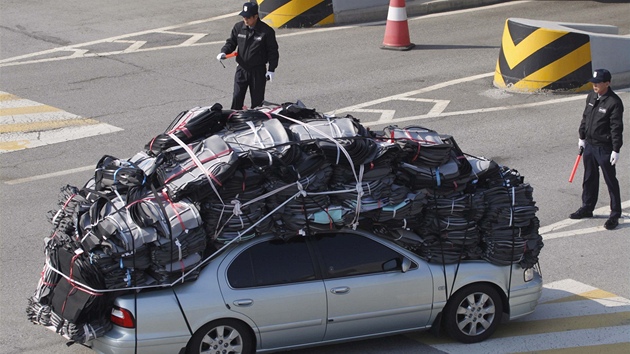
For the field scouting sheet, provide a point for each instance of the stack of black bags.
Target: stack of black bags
(219, 176)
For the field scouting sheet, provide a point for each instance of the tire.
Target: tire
(222, 336)
(473, 313)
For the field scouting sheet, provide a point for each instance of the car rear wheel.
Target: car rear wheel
(222, 337)
(473, 313)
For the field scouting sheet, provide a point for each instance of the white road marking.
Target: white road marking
(11, 101)
(584, 307)
(588, 230)
(27, 118)
(26, 124)
(50, 175)
(20, 141)
(472, 9)
(566, 285)
(76, 51)
(403, 96)
(543, 341)
(387, 115)
(550, 231)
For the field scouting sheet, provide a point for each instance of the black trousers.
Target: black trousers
(595, 158)
(254, 79)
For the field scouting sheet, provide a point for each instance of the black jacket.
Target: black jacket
(602, 120)
(255, 47)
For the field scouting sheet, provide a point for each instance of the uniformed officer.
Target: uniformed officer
(257, 46)
(601, 137)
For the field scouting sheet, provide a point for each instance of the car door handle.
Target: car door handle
(243, 302)
(340, 290)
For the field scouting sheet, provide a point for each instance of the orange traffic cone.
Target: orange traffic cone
(397, 29)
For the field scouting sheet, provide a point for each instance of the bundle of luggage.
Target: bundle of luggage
(221, 176)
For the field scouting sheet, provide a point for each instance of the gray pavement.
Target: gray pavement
(329, 69)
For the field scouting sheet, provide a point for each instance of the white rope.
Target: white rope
(256, 132)
(327, 136)
(198, 163)
(179, 249)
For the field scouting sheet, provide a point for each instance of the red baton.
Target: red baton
(575, 166)
(231, 55)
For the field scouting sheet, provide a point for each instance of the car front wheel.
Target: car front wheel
(222, 337)
(473, 313)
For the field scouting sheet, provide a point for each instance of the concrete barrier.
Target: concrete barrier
(544, 56)
(309, 13)
(296, 13)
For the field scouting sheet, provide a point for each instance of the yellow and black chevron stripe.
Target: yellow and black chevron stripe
(296, 13)
(538, 59)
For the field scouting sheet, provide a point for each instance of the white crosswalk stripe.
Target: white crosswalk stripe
(27, 124)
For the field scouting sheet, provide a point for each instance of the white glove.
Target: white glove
(614, 157)
(269, 75)
(581, 143)
(221, 56)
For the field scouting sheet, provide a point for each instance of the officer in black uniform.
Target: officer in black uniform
(601, 137)
(257, 46)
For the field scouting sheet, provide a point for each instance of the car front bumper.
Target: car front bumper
(524, 298)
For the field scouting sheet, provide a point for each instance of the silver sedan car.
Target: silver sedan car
(269, 294)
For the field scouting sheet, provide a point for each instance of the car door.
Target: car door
(367, 291)
(274, 284)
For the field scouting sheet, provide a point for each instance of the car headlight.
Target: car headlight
(528, 274)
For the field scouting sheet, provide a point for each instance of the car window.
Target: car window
(271, 263)
(347, 254)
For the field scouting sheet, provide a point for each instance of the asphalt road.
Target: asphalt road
(139, 89)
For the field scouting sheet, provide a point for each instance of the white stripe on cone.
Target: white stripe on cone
(397, 14)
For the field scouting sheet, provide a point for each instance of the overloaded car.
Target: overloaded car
(269, 294)
(269, 229)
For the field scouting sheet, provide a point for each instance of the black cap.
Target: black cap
(600, 75)
(249, 9)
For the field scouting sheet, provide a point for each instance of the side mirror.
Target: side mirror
(406, 264)
(396, 263)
